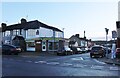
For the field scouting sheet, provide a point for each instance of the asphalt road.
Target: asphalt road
(71, 65)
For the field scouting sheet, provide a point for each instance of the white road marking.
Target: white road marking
(78, 66)
(97, 67)
(42, 62)
(114, 68)
(99, 61)
(78, 58)
(66, 64)
(53, 63)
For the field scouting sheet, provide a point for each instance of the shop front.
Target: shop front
(45, 44)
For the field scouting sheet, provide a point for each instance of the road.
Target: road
(71, 65)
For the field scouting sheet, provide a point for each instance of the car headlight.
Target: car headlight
(18, 49)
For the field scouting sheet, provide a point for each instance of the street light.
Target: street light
(63, 32)
(106, 29)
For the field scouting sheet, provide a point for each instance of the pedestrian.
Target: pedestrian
(113, 51)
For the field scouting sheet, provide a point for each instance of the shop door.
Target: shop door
(38, 45)
(43, 45)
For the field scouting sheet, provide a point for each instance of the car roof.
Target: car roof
(97, 46)
(8, 45)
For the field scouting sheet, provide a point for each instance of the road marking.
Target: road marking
(78, 66)
(42, 62)
(53, 63)
(78, 58)
(114, 68)
(97, 67)
(66, 64)
(99, 61)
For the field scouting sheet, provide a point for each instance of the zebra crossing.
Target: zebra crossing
(67, 64)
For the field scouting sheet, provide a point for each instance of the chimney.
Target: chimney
(23, 20)
(3, 25)
(77, 35)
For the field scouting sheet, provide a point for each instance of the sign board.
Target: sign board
(114, 34)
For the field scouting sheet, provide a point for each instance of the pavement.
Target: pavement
(107, 60)
(32, 53)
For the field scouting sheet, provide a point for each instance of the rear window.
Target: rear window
(96, 48)
(7, 46)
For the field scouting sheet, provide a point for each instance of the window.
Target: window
(31, 44)
(15, 32)
(7, 33)
(31, 32)
(53, 45)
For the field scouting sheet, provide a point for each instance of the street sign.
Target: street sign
(114, 34)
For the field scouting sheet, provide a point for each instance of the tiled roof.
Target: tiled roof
(31, 25)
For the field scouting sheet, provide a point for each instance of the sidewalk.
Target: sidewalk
(110, 61)
(32, 53)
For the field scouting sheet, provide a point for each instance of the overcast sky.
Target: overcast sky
(75, 17)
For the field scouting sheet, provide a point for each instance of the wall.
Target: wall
(46, 32)
(118, 27)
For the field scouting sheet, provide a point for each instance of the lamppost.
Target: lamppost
(106, 29)
(63, 32)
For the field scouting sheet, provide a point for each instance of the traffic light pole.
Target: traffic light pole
(106, 41)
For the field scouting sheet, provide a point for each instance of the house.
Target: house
(118, 34)
(76, 41)
(118, 26)
(37, 35)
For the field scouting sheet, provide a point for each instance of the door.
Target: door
(44, 45)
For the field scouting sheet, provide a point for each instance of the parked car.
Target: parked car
(84, 50)
(76, 50)
(65, 51)
(117, 52)
(97, 51)
(0, 49)
(10, 49)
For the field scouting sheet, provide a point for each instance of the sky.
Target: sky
(74, 16)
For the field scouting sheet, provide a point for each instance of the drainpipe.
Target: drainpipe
(53, 40)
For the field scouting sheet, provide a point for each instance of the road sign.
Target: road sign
(114, 34)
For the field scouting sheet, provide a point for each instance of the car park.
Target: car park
(10, 49)
(65, 51)
(117, 52)
(97, 51)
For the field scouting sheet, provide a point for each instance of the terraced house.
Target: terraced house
(33, 35)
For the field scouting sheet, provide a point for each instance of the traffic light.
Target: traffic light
(106, 30)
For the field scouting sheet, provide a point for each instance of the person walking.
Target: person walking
(113, 51)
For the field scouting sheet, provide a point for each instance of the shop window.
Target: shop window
(31, 44)
(50, 45)
(53, 46)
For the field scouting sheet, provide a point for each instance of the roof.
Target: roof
(73, 36)
(19, 37)
(31, 25)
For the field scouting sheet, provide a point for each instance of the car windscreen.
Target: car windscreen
(96, 48)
